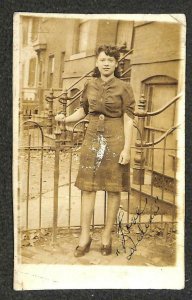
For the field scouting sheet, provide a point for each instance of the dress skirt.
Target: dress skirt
(99, 169)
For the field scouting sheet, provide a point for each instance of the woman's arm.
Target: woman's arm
(75, 117)
(128, 130)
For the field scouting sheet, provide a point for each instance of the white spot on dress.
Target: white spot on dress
(101, 151)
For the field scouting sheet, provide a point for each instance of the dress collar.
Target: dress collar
(106, 82)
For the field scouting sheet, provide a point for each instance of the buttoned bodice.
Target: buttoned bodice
(111, 98)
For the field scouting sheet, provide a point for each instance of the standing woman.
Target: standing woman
(105, 153)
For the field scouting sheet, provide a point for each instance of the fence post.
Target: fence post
(64, 100)
(50, 113)
(56, 181)
(139, 169)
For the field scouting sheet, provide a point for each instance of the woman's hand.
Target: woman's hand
(60, 117)
(124, 157)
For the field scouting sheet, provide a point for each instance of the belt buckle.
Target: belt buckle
(101, 117)
(100, 125)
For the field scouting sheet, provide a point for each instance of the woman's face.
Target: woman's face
(106, 64)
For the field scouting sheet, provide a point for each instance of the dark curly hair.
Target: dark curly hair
(109, 50)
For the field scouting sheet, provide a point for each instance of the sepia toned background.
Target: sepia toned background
(56, 57)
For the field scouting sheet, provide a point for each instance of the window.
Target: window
(124, 33)
(51, 65)
(35, 29)
(83, 36)
(61, 69)
(32, 69)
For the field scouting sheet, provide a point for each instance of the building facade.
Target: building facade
(56, 52)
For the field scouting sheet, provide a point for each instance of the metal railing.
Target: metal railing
(142, 113)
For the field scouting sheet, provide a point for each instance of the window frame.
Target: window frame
(50, 70)
(82, 22)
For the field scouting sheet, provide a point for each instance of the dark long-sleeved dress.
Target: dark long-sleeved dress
(105, 103)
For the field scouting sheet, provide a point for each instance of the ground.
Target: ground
(153, 250)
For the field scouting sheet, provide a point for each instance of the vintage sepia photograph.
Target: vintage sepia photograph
(98, 151)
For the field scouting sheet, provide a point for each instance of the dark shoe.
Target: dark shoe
(80, 251)
(106, 249)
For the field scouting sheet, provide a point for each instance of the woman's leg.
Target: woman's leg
(113, 203)
(87, 207)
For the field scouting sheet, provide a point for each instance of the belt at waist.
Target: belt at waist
(97, 115)
(101, 118)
